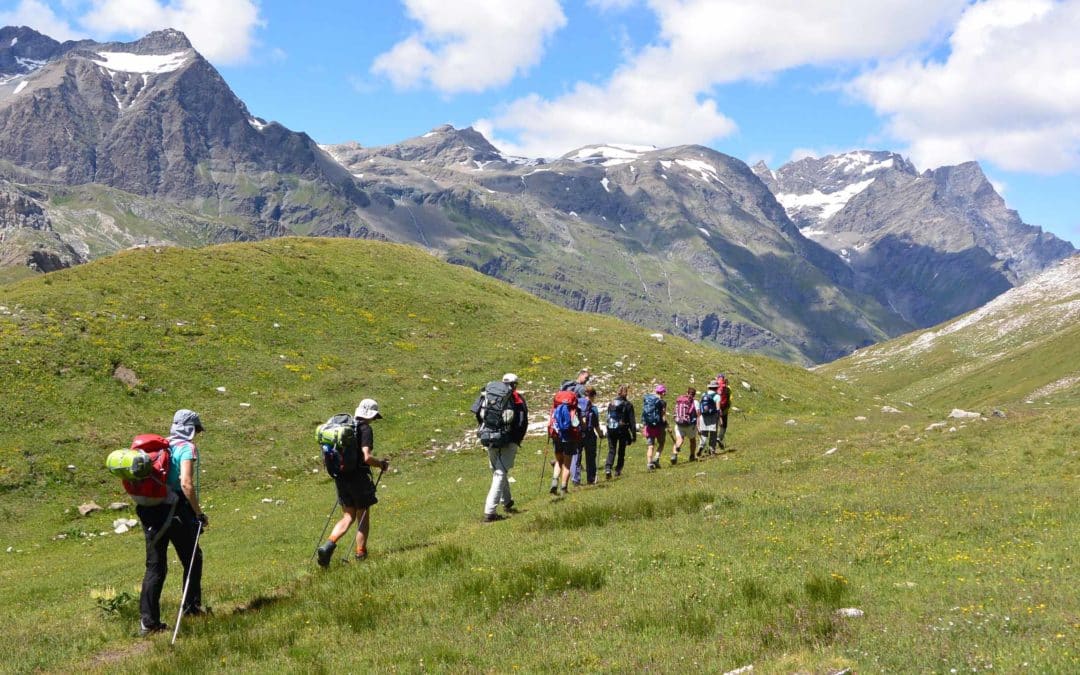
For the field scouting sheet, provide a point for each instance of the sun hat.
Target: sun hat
(661, 389)
(713, 385)
(185, 423)
(510, 378)
(368, 410)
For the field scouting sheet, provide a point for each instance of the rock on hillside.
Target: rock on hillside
(930, 246)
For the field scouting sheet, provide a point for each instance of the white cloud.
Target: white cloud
(221, 30)
(664, 94)
(1008, 91)
(40, 17)
(470, 45)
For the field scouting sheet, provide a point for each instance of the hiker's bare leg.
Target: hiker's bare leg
(362, 531)
(348, 515)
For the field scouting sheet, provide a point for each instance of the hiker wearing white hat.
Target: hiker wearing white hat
(355, 489)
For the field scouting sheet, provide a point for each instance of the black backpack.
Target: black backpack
(337, 438)
(496, 414)
(617, 417)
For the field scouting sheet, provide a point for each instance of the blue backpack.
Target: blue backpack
(650, 411)
(708, 403)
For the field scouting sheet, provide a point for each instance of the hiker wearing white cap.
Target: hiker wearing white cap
(503, 419)
(355, 489)
(709, 420)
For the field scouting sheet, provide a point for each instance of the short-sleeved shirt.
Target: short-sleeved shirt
(356, 489)
(181, 450)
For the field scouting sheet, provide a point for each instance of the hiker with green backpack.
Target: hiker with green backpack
(348, 458)
(502, 417)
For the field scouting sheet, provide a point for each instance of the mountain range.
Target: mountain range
(108, 145)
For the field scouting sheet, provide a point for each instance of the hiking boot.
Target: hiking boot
(693, 458)
(607, 475)
(158, 627)
(509, 507)
(674, 460)
(554, 489)
(493, 517)
(564, 489)
(196, 610)
(358, 557)
(325, 553)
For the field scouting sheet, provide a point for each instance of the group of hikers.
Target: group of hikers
(162, 473)
(575, 427)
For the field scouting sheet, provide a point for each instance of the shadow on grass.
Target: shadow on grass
(600, 515)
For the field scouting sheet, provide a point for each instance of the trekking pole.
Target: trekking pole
(187, 582)
(328, 517)
(360, 522)
(542, 470)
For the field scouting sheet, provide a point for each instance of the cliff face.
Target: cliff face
(929, 246)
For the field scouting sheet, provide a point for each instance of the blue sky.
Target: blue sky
(941, 81)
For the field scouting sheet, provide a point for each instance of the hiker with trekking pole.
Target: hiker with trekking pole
(348, 444)
(162, 476)
(502, 417)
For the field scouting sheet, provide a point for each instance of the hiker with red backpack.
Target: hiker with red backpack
(621, 431)
(686, 421)
(654, 417)
(355, 489)
(166, 495)
(503, 419)
(724, 403)
(565, 430)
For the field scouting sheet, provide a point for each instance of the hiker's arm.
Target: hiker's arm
(372, 460)
(187, 486)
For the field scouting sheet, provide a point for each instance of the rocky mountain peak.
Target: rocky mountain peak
(23, 50)
(160, 42)
(444, 145)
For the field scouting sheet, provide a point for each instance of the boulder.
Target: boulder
(958, 414)
(88, 508)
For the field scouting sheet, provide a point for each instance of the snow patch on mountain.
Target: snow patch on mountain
(611, 154)
(705, 170)
(153, 64)
(22, 85)
(828, 204)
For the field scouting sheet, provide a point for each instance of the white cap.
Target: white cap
(368, 410)
(510, 378)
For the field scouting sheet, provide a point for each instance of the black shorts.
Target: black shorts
(356, 490)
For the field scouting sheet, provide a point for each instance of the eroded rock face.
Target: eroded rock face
(928, 246)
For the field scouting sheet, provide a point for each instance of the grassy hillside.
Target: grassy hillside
(956, 546)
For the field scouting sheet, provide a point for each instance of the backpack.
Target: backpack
(650, 411)
(708, 403)
(496, 414)
(337, 438)
(684, 410)
(144, 469)
(725, 396)
(565, 421)
(616, 415)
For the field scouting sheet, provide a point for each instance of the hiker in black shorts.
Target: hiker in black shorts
(356, 491)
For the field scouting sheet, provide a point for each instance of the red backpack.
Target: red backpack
(565, 421)
(725, 395)
(684, 410)
(154, 488)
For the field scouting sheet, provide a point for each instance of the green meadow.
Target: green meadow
(955, 544)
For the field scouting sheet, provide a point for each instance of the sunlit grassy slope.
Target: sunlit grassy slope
(958, 547)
